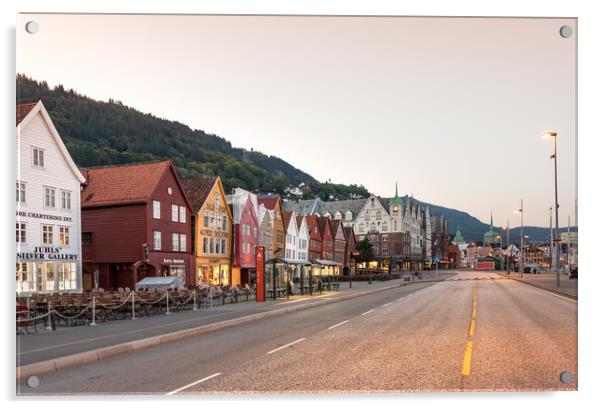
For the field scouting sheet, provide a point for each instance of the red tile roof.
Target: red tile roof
(268, 201)
(23, 110)
(123, 184)
(197, 190)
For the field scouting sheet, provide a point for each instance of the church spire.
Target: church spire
(396, 189)
(491, 221)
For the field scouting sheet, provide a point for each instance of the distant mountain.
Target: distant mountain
(473, 229)
(106, 133)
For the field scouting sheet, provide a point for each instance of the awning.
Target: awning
(325, 263)
(162, 283)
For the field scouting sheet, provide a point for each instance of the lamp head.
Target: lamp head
(549, 134)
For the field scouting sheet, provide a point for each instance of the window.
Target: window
(205, 245)
(182, 242)
(206, 220)
(20, 232)
(65, 200)
(157, 240)
(348, 215)
(217, 246)
(182, 214)
(156, 209)
(224, 221)
(211, 246)
(49, 197)
(46, 234)
(223, 246)
(21, 192)
(86, 238)
(217, 201)
(38, 157)
(338, 215)
(63, 236)
(175, 242)
(174, 213)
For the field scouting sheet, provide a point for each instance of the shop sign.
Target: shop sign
(35, 215)
(45, 253)
(173, 261)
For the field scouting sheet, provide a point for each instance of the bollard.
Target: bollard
(133, 295)
(370, 278)
(93, 323)
(49, 321)
(194, 308)
(167, 312)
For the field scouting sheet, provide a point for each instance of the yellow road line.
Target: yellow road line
(467, 356)
(471, 330)
(474, 313)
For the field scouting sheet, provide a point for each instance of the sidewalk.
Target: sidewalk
(48, 345)
(547, 281)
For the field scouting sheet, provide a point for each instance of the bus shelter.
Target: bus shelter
(278, 278)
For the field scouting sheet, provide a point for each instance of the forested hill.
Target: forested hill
(107, 133)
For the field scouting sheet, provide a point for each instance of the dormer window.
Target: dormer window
(338, 216)
(348, 215)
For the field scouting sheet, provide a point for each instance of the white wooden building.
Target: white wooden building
(48, 211)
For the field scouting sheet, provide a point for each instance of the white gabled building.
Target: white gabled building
(48, 216)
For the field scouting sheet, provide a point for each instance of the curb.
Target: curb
(550, 290)
(99, 354)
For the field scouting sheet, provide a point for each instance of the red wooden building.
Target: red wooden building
(135, 224)
(339, 242)
(315, 237)
(350, 242)
(327, 238)
(246, 236)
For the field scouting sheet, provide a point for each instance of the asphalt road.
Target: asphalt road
(476, 331)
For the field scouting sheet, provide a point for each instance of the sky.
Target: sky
(452, 109)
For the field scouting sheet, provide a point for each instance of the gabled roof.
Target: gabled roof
(312, 222)
(124, 184)
(23, 110)
(323, 222)
(197, 190)
(269, 201)
(302, 207)
(343, 206)
(238, 201)
(335, 226)
(349, 233)
(26, 112)
(287, 217)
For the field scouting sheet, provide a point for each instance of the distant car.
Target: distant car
(573, 273)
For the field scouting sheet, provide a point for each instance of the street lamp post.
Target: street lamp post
(550, 134)
(551, 240)
(508, 245)
(499, 237)
(522, 237)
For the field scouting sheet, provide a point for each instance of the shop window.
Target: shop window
(21, 235)
(47, 234)
(156, 209)
(65, 200)
(174, 213)
(63, 236)
(49, 197)
(38, 157)
(20, 192)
